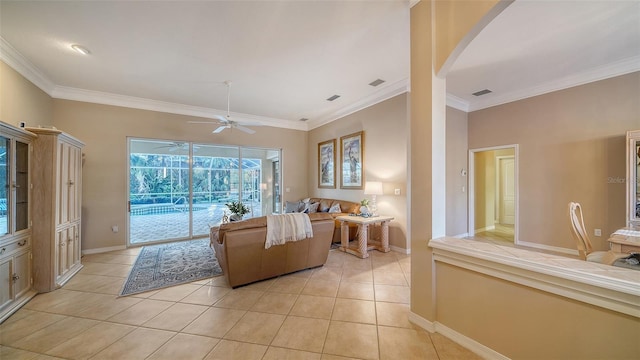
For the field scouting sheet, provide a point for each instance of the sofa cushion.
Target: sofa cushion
(335, 208)
(311, 208)
(291, 207)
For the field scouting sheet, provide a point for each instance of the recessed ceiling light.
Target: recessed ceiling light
(333, 97)
(376, 82)
(81, 49)
(482, 92)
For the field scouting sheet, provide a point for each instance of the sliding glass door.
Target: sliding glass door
(178, 190)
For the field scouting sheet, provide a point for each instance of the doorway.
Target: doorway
(493, 194)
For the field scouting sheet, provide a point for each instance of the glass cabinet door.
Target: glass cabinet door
(4, 185)
(21, 186)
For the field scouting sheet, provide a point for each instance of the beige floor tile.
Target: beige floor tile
(256, 328)
(220, 281)
(214, 322)
(354, 290)
(305, 274)
(335, 357)
(233, 350)
(10, 353)
(321, 287)
(141, 312)
(145, 295)
(275, 303)
(175, 293)
(262, 285)
(397, 343)
(105, 307)
(353, 310)
(288, 285)
(176, 317)
(13, 331)
(357, 275)
(392, 266)
(240, 299)
(118, 270)
(355, 263)
(301, 333)
(55, 334)
(206, 295)
(95, 283)
(393, 314)
(327, 273)
(49, 301)
(320, 307)
(335, 260)
(352, 340)
(18, 315)
(91, 341)
(382, 277)
(275, 353)
(138, 344)
(392, 293)
(130, 251)
(449, 350)
(109, 258)
(185, 347)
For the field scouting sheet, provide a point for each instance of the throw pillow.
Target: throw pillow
(291, 207)
(335, 208)
(311, 208)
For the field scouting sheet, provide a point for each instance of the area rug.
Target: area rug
(164, 265)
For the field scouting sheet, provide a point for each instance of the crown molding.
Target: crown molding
(10, 56)
(387, 92)
(622, 67)
(457, 103)
(98, 97)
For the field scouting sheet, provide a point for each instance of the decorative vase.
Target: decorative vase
(364, 209)
(235, 217)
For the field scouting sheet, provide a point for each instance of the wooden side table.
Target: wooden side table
(364, 243)
(625, 240)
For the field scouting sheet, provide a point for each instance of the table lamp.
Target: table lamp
(373, 188)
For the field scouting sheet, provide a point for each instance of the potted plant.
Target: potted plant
(238, 209)
(364, 208)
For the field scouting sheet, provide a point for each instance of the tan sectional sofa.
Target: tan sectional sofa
(239, 248)
(346, 208)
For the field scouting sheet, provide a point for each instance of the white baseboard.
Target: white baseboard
(461, 236)
(104, 249)
(549, 248)
(462, 340)
(488, 228)
(400, 250)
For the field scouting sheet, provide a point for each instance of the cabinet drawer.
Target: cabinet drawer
(14, 245)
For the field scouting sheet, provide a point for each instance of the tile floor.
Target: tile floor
(349, 309)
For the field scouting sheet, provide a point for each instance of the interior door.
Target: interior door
(507, 191)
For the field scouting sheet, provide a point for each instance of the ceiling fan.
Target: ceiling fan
(177, 145)
(226, 122)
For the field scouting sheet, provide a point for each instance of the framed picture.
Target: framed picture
(352, 161)
(327, 164)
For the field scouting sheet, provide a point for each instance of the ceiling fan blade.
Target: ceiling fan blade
(219, 129)
(222, 118)
(202, 122)
(245, 129)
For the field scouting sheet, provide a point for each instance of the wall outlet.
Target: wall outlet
(114, 228)
(396, 191)
(597, 232)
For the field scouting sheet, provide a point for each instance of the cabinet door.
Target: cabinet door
(22, 273)
(75, 182)
(64, 183)
(71, 245)
(61, 253)
(6, 292)
(5, 180)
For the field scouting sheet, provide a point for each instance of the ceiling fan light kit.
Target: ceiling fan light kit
(226, 122)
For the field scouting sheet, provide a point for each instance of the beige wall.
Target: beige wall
(385, 159)
(105, 129)
(457, 160)
(20, 100)
(520, 322)
(570, 143)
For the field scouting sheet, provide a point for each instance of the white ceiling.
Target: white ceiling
(286, 58)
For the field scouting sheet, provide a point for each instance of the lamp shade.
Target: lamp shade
(373, 188)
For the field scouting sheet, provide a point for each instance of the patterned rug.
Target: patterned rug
(164, 265)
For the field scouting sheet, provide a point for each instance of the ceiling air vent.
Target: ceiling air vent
(333, 97)
(376, 82)
(303, 119)
(482, 92)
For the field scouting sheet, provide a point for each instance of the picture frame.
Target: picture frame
(327, 164)
(352, 161)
